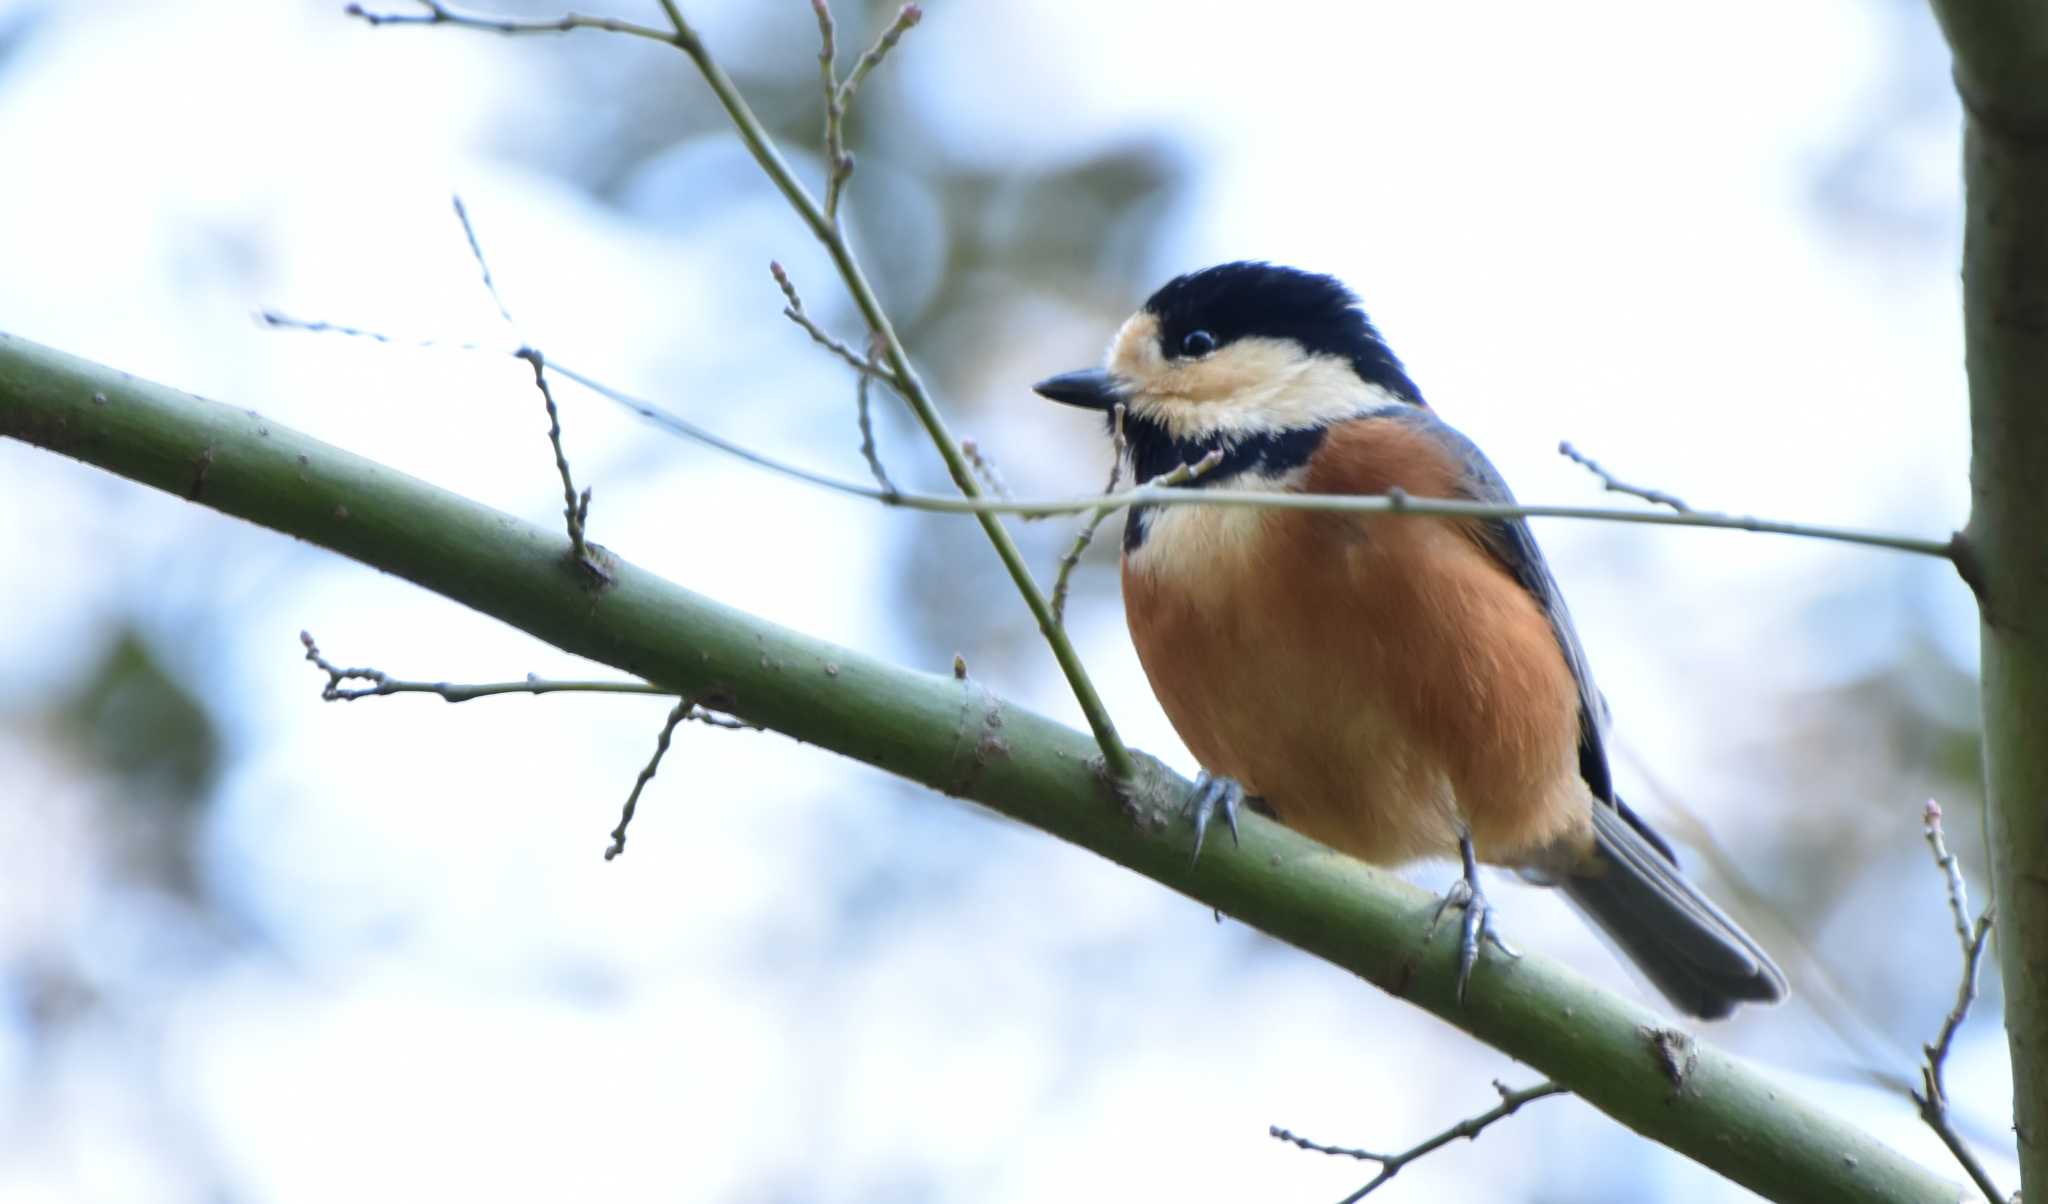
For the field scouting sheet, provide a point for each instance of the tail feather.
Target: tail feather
(1687, 947)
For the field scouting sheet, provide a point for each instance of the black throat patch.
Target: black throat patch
(1155, 452)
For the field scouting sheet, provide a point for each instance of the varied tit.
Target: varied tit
(1395, 686)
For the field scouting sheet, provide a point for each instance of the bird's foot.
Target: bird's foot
(1477, 926)
(1211, 794)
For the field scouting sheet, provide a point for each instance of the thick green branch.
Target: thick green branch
(955, 736)
(2001, 67)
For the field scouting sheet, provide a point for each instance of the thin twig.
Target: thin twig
(1391, 1164)
(476, 250)
(1180, 474)
(1971, 939)
(907, 16)
(1655, 497)
(839, 98)
(985, 468)
(680, 712)
(793, 309)
(867, 428)
(279, 320)
(1064, 578)
(383, 684)
(1353, 503)
(447, 14)
(575, 508)
(838, 164)
(1029, 508)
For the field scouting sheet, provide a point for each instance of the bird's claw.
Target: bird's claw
(1477, 925)
(1210, 794)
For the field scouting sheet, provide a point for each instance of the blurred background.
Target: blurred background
(255, 947)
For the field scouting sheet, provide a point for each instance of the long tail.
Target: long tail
(1698, 957)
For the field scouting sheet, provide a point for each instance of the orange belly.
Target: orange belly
(1379, 682)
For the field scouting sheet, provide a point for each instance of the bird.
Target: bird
(1398, 687)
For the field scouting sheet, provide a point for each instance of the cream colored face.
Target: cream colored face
(1247, 386)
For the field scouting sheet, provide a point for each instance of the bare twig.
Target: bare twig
(907, 16)
(1655, 497)
(1391, 1164)
(985, 468)
(680, 712)
(279, 320)
(1971, 939)
(1030, 508)
(1181, 474)
(867, 368)
(575, 508)
(447, 14)
(383, 684)
(839, 100)
(867, 428)
(793, 309)
(483, 265)
(1086, 535)
(839, 96)
(838, 164)
(1147, 495)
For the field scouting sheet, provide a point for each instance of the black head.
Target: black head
(1249, 360)
(1210, 309)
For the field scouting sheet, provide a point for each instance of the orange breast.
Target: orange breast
(1377, 680)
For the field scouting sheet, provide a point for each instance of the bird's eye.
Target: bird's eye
(1197, 342)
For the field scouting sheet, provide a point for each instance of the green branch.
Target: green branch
(954, 735)
(2001, 72)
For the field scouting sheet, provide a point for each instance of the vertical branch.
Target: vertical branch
(2001, 73)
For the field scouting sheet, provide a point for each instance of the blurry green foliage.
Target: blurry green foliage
(133, 719)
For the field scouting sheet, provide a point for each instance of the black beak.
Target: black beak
(1091, 388)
